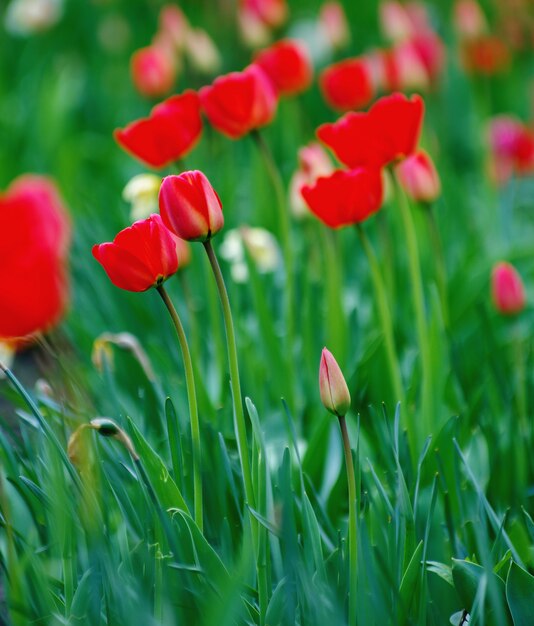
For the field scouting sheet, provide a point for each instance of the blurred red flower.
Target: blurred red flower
(190, 207)
(507, 289)
(239, 102)
(34, 239)
(512, 148)
(141, 256)
(288, 66)
(388, 132)
(168, 134)
(153, 71)
(486, 55)
(347, 85)
(346, 196)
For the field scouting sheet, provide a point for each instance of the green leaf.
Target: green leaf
(520, 595)
(408, 586)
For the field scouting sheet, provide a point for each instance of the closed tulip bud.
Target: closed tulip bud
(153, 71)
(507, 289)
(469, 20)
(395, 21)
(419, 177)
(173, 24)
(202, 51)
(141, 192)
(26, 17)
(141, 256)
(190, 207)
(333, 24)
(333, 388)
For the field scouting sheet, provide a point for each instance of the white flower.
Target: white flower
(141, 192)
(260, 244)
(25, 17)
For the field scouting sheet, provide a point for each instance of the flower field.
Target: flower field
(265, 318)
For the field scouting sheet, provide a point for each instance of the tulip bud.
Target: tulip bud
(190, 207)
(202, 51)
(141, 192)
(333, 24)
(395, 21)
(153, 71)
(334, 392)
(26, 17)
(507, 289)
(419, 177)
(469, 20)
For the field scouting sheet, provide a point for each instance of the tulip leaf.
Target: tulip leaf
(520, 595)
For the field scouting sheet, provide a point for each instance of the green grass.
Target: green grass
(443, 527)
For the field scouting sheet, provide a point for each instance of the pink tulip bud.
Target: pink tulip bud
(333, 24)
(419, 177)
(153, 71)
(469, 20)
(507, 289)
(334, 392)
(395, 21)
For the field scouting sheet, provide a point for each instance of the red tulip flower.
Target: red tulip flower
(168, 134)
(512, 148)
(388, 132)
(347, 85)
(34, 239)
(288, 66)
(153, 71)
(419, 177)
(190, 207)
(345, 197)
(239, 102)
(141, 256)
(507, 289)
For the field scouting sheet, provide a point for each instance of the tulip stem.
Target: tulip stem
(239, 414)
(285, 234)
(353, 522)
(385, 317)
(441, 270)
(419, 306)
(193, 408)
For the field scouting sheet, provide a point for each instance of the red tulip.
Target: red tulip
(335, 394)
(486, 55)
(34, 239)
(419, 177)
(168, 134)
(512, 148)
(288, 65)
(153, 71)
(345, 197)
(507, 289)
(141, 256)
(190, 207)
(388, 132)
(272, 13)
(347, 85)
(239, 102)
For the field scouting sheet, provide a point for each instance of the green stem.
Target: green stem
(419, 306)
(385, 317)
(239, 414)
(193, 408)
(441, 271)
(353, 523)
(284, 225)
